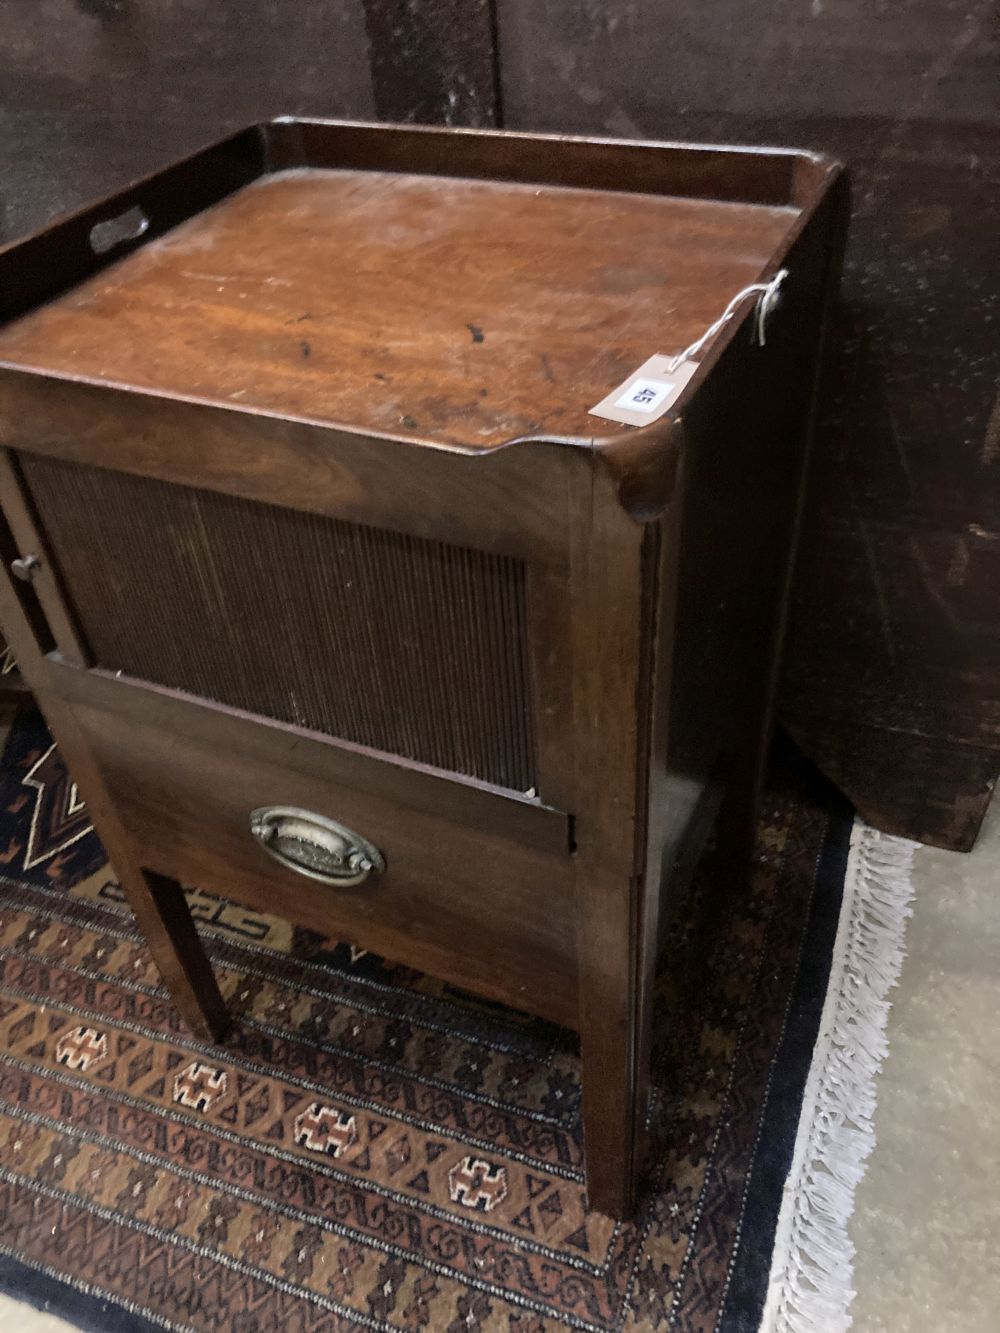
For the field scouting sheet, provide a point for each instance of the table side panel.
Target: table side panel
(510, 501)
(752, 175)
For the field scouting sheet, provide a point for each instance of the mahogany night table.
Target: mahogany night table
(340, 597)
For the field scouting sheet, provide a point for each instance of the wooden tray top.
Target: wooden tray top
(458, 312)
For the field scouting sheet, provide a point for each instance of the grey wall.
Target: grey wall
(96, 92)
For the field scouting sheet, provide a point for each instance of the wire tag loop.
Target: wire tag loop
(655, 387)
(768, 294)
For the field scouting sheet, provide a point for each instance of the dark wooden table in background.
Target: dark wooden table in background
(892, 678)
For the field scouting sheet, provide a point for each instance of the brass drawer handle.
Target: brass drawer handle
(315, 846)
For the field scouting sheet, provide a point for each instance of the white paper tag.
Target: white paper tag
(646, 395)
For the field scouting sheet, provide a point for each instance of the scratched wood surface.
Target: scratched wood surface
(466, 312)
(893, 669)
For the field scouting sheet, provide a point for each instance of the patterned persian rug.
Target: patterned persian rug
(371, 1150)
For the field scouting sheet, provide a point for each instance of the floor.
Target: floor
(928, 1210)
(927, 1213)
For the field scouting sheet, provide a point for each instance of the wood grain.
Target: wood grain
(466, 313)
(472, 907)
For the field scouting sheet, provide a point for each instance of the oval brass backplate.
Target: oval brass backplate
(315, 846)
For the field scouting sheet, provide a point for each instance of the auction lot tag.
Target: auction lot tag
(647, 394)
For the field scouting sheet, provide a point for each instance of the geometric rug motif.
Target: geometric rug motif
(58, 816)
(45, 833)
(369, 1149)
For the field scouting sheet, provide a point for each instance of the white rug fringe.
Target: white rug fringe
(810, 1288)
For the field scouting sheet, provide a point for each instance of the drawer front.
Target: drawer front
(486, 904)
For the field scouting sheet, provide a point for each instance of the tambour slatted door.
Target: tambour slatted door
(417, 648)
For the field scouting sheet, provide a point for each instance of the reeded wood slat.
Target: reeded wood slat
(410, 646)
